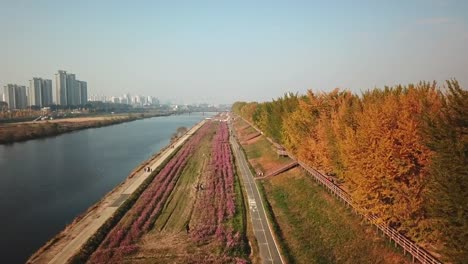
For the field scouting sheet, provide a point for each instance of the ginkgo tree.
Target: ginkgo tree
(401, 152)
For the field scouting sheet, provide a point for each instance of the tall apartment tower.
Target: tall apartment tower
(61, 88)
(46, 92)
(21, 97)
(15, 96)
(83, 92)
(35, 92)
(72, 88)
(40, 92)
(70, 91)
(9, 95)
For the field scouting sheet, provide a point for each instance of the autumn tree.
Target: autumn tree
(237, 107)
(402, 152)
(386, 159)
(447, 189)
(298, 125)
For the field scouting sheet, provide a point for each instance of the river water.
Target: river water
(46, 183)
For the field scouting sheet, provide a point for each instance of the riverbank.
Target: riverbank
(17, 132)
(68, 242)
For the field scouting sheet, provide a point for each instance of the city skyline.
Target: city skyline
(56, 98)
(220, 52)
(54, 87)
(69, 91)
(41, 92)
(53, 94)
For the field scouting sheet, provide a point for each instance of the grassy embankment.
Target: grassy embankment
(257, 148)
(94, 241)
(10, 133)
(312, 226)
(169, 241)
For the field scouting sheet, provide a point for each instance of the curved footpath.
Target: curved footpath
(66, 244)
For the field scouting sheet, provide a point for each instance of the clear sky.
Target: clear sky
(223, 51)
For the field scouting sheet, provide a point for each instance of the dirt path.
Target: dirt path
(69, 241)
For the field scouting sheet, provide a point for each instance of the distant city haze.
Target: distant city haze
(223, 51)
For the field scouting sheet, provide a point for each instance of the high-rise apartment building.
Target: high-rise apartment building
(9, 95)
(72, 87)
(46, 92)
(69, 90)
(125, 99)
(115, 100)
(21, 97)
(154, 101)
(61, 88)
(35, 92)
(83, 92)
(40, 92)
(15, 96)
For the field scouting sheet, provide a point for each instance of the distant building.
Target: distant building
(72, 90)
(101, 98)
(46, 92)
(83, 92)
(154, 101)
(61, 88)
(35, 94)
(136, 100)
(9, 95)
(123, 100)
(69, 90)
(40, 92)
(15, 96)
(21, 98)
(151, 100)
(126, 99)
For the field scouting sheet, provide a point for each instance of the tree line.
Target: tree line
(401, 152)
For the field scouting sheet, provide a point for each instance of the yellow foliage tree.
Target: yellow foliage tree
(385, 157)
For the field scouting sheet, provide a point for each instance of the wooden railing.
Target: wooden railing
(405, 243)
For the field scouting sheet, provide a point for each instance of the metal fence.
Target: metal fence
(405, 243)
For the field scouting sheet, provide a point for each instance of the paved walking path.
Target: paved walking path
(269, 251)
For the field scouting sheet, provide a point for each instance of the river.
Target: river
(46, 183)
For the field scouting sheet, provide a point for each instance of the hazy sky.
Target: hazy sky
(222, 51)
